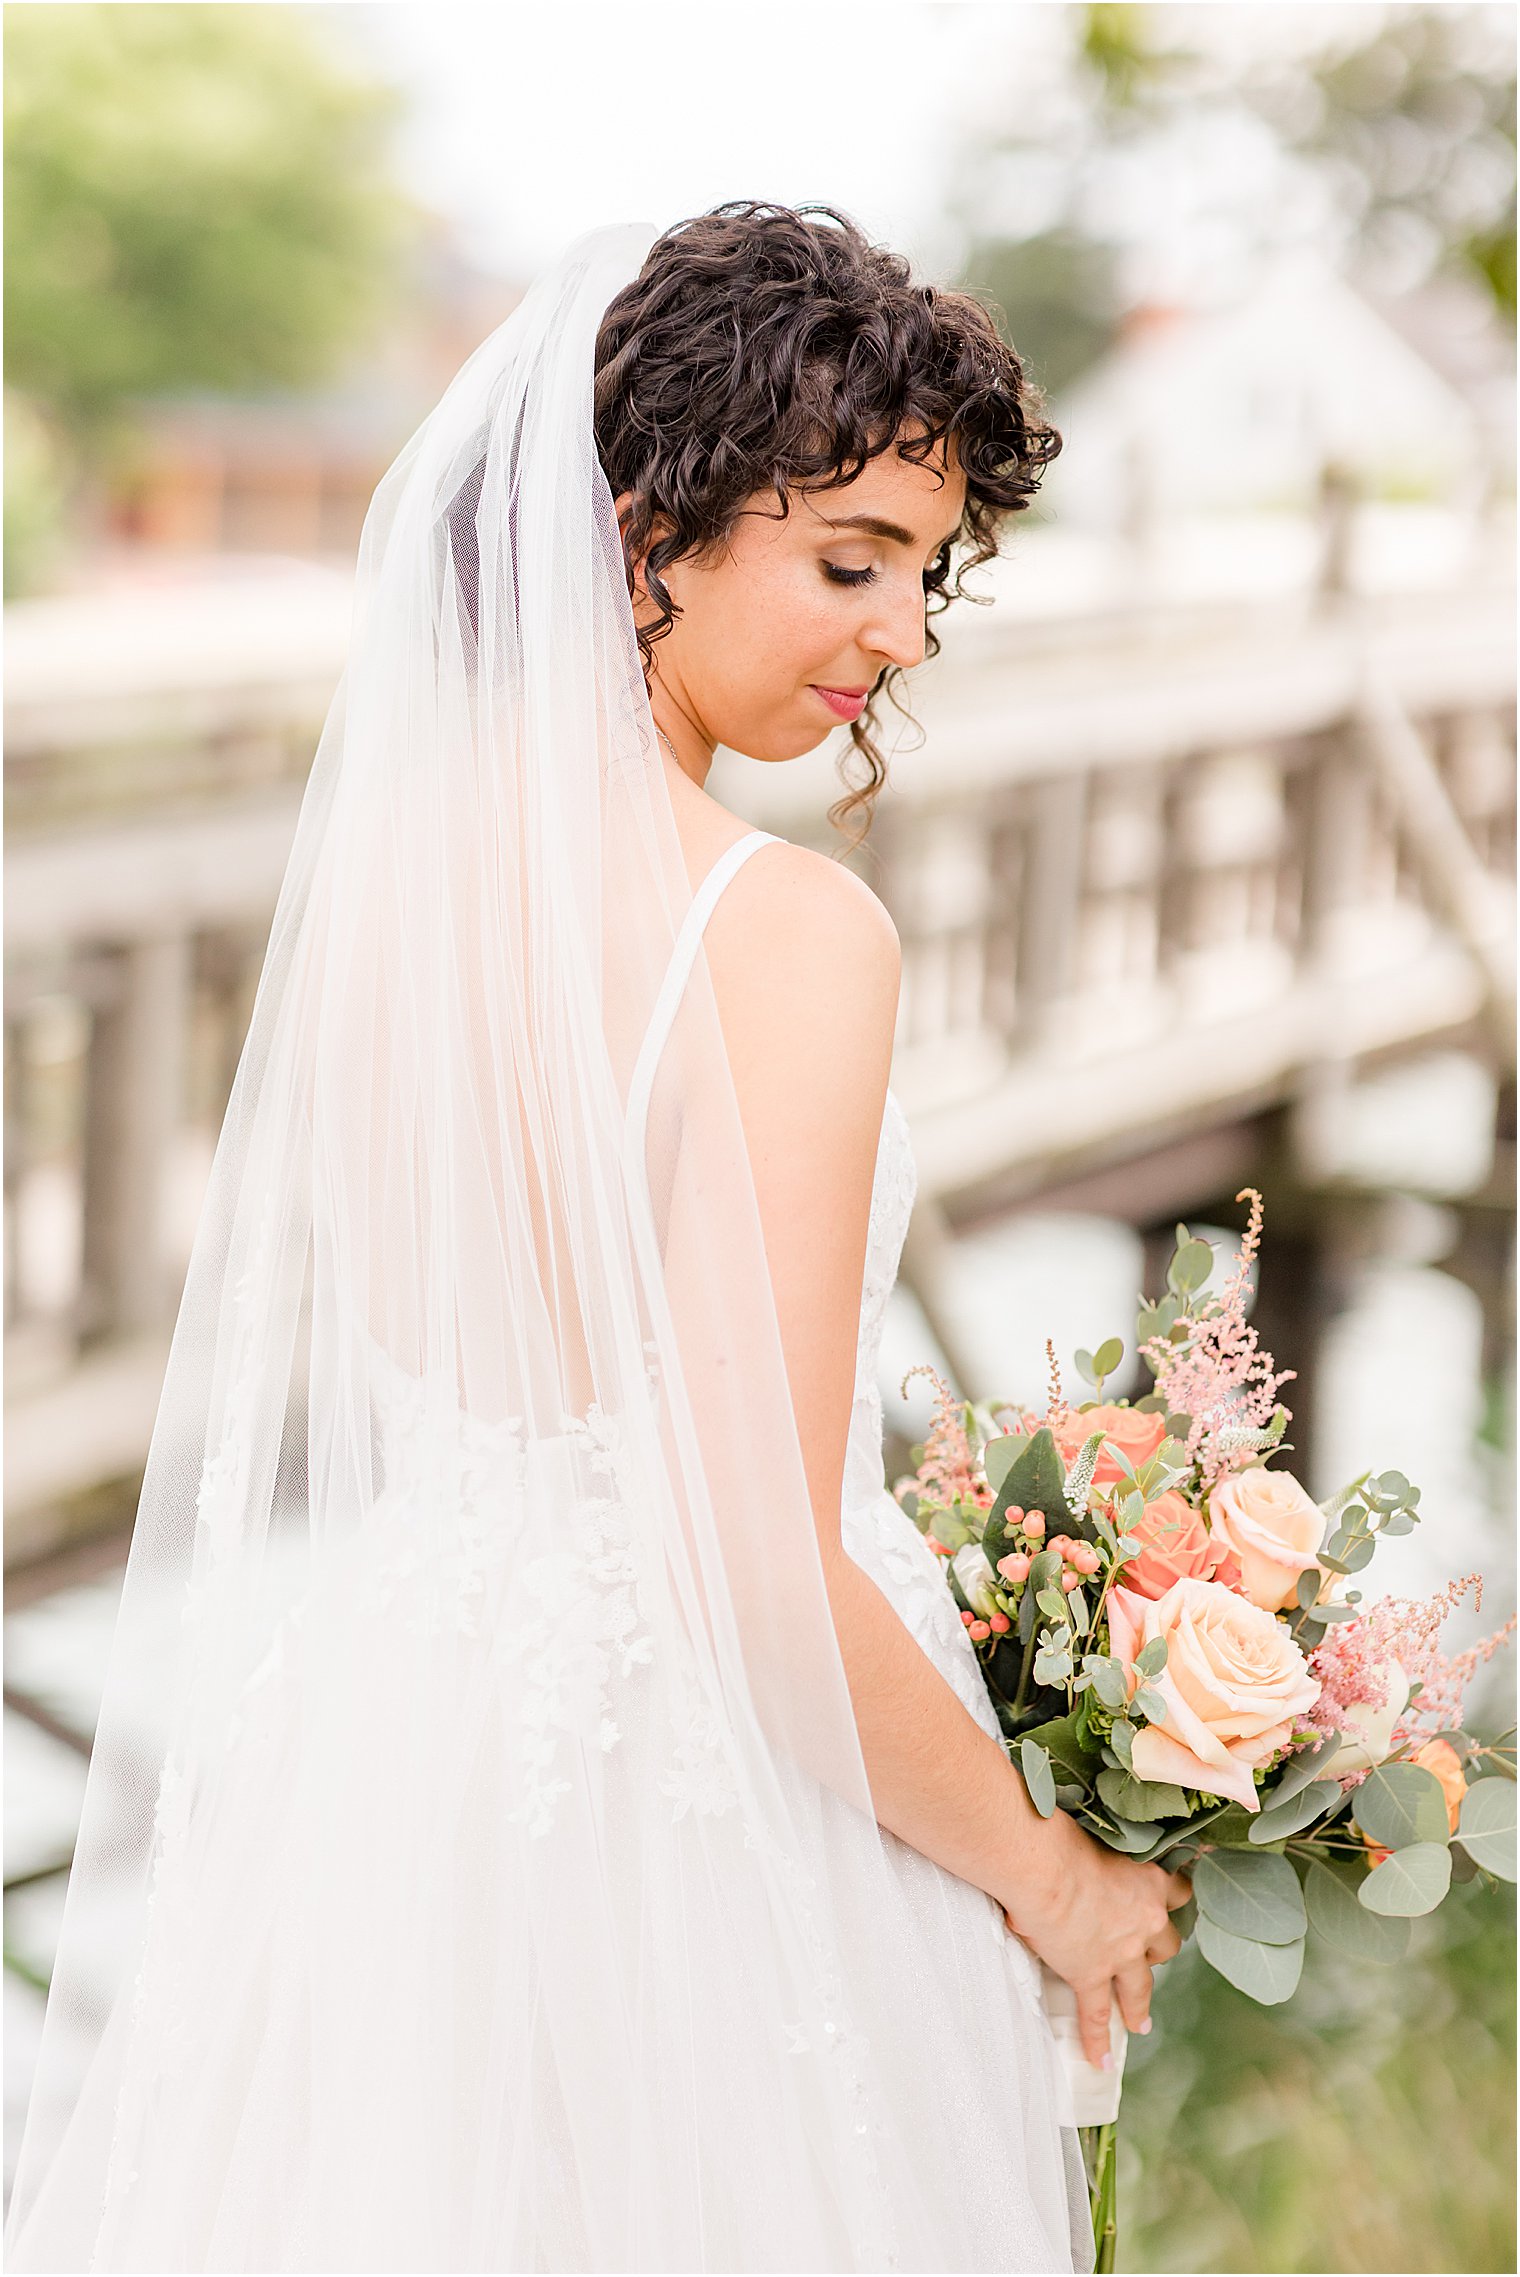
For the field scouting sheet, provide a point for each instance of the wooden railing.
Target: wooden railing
(1146, 866)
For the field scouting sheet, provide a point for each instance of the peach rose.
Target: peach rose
(1439, 1756)
(1176, 1544)
(1137, 1431)
(1234, 1685)
(1273, 1527)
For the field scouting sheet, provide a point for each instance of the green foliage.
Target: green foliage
(1038, 1776)
(36, 493)
(1278, 1819)
(1366, 2125)
(1399, 1803)
(195, 196)
(1486, 1827)
(1337, 1914)
(1251, 1896)
(1268, 1973)
(1409, 1881)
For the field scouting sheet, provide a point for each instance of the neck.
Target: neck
(686, 750)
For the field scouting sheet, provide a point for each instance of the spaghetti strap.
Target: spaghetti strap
(677, 973)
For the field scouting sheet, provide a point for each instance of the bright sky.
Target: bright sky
(531, 122)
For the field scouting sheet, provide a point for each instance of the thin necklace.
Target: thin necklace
(665, 739)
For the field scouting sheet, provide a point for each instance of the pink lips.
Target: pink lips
(845, 703)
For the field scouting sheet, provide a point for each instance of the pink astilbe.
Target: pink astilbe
(1057, 1406)
(1350, 1659)
(1216, 1375)
(948, 1472)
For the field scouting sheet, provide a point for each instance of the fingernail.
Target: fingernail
(1106, 2061)
(1145, 2027)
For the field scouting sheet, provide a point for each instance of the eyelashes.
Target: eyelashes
(838, 576)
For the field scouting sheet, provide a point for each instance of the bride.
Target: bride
(544, 1814)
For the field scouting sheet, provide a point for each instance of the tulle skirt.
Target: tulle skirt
(367, 2032)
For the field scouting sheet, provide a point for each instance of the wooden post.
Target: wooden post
(133, 1086)
(1051, 912)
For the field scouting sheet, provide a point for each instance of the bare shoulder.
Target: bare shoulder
(806, 971)
(798, 905)
(800, 947)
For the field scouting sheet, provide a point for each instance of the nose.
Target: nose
(896, 628)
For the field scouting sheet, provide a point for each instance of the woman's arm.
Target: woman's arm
(806, 965)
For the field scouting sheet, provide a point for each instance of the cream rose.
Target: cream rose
(1274, 1529)
(1234, 1685)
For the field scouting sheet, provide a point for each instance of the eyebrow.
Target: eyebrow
(875, 527)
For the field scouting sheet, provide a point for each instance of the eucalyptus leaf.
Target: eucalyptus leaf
(1250, 1896)
(1108, 1355)
(1411, 1880)
(1279, 1820)
(1230, 1826)
(1038, 1777)
(1486, 1827)
(1399, 1803)
(999, 1456)
(1300, 1769)
(1108, 1679)
(1151, 1658)
(1052, 1603)
(1268, 1974)
(1133, 1835)
(1122, 1740)
(1066, 1746)
(1190, 1267)
(1149, 1704)
(1347, 1926)
(1132, 1798)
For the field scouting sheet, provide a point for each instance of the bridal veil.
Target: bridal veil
(477, 1867)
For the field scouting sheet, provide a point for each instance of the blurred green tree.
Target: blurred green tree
(1402, 116)
(195, 196)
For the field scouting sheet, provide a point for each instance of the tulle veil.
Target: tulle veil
(477, 1867)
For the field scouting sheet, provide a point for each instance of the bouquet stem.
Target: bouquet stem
(1100, 2154)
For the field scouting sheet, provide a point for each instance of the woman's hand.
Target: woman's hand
(1103, 1927)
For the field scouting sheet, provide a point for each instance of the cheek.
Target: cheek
(784, 624)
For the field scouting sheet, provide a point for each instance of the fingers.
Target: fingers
(1094, 2008)
(1179, 1888)
(1163, 1946)
(1134, 1989)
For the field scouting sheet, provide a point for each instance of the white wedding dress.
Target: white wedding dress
(219, 2147)
(989, 1980)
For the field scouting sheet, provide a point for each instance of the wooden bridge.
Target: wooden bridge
(1159, 870)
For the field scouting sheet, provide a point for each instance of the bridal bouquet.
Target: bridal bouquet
(1169, 1634)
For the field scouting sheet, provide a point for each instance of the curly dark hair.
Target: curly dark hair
(759, 347)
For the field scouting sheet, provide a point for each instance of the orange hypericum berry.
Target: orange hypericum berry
(980, 1629)
(1014, 1568)
(999, 1623)
(1070, 1580)
(1034, 1525)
